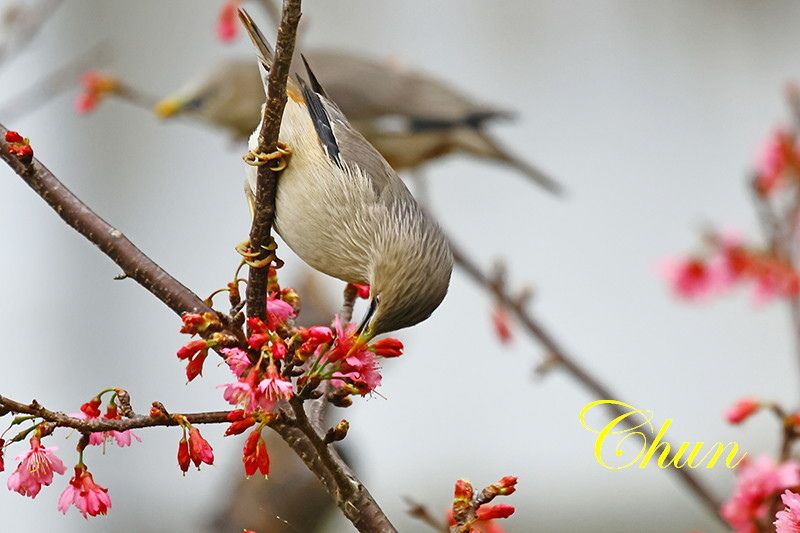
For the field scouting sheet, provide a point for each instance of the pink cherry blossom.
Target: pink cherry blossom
(788, 520)
(278, 312)
(757, 481)
(35, 469)
(361, 369)
(346, 341)
(273, 388)
(244, 392)
(691, 279)
(90, 498)
(237, 360)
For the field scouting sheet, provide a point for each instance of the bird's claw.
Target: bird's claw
(244, 249)
(278, 160)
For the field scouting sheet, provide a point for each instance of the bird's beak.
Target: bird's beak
(167, 107)
(364, 331)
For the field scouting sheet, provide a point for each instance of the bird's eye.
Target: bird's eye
(194, 104)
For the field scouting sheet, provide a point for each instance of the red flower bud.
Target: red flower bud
(388, 347)
(195, 366)
(21, 150)
(191, 348)
(14, 137)
(92, 408)
(200, 450)
(318, 334)
(256, 325)
(504, 487)
(235, 415)
(362, 291)
(742, 410)
(463, 490)
(194, 323)
(258, 340)
(255, 456)
(278, 348)
(183, 454)
(240, 426)
(502, 510)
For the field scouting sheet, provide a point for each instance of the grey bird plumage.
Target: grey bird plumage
(343, 209)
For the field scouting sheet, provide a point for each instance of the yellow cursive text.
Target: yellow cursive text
(633, 423)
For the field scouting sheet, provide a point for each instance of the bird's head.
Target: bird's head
(407, 284)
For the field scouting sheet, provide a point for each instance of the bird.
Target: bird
(410, 117)
(344, 210)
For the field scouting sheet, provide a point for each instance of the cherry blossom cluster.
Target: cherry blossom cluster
(766, 494)
(726, 262)
(278, 362)
(38, 465)
(471, 512)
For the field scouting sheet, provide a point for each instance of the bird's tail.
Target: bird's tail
(263, 49)
(480, 143)
(265, 54)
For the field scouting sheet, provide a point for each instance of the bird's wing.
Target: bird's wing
(322, 123)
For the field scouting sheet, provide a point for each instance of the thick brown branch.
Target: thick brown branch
(560, 357)
(350, 495)
(133, 262)
(264, 212)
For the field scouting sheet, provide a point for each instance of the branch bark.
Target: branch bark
(264, 212)
(133, 262)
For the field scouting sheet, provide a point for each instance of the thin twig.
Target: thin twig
(560, 357)
(106, 424)
(420, 512)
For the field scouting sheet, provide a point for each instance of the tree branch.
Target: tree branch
(264, 210)
(8, 405)
(580, 374)
(133, 262)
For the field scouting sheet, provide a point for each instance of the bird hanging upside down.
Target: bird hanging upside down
(343, 210)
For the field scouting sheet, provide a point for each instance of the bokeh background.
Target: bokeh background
(649, 113)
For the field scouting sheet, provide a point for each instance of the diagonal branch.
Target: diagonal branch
(560, 357)
(110, 240)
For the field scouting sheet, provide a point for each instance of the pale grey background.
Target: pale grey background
(649, 112)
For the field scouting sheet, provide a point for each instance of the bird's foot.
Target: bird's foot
(277, 160)
(245, 250)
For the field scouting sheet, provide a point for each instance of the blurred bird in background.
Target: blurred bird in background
(410, 117)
